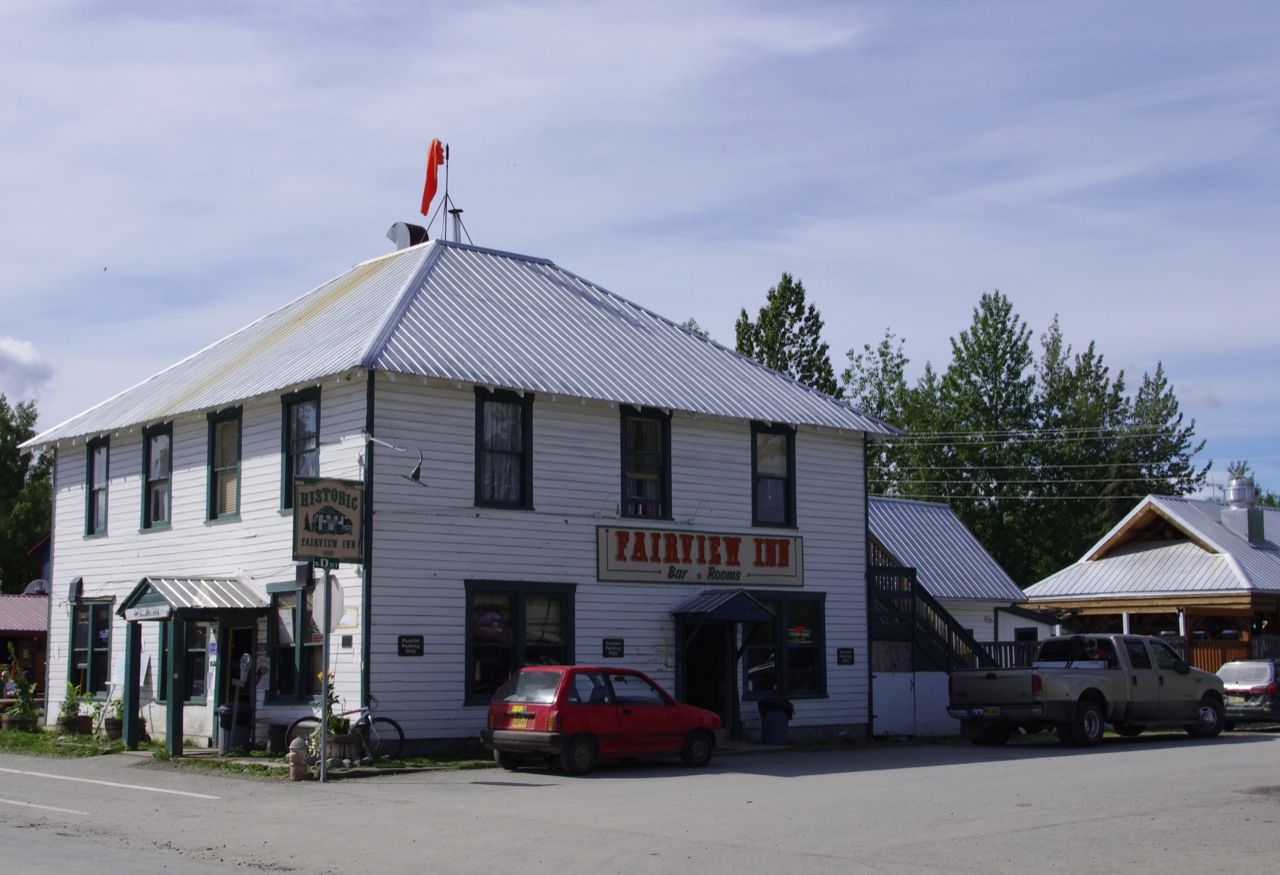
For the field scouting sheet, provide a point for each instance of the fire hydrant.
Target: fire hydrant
(297, 759)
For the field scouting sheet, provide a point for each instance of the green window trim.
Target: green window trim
(646, 463)
(157, 477)
(292, 627)
(504, 449)
(197, 663)
(90, 664)
(787, 656)
(226, 435)
(773, 475)
(513, 624)
(299, 440)
(97, 480)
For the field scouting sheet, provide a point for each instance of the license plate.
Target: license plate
(519, 722)
(991, 709)
(1235, 700)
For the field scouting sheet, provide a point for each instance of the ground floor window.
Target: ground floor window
(91, 647)
(195, 663)
(295, 642)
(784, 655)
(511, 626)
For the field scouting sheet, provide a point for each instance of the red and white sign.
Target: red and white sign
(635, 555)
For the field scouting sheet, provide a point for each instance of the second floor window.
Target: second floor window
(504, 449)
(773, 473)
(157, 469)
(301, 440)
(646, 464)
(224, 465)
(95, 517)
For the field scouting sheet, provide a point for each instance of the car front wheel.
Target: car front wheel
(579, 755)
(697, 749)
(1210, 719)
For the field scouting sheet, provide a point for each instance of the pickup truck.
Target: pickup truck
(1079, 683)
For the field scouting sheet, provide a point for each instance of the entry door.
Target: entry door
(707, 665)
(237, 642)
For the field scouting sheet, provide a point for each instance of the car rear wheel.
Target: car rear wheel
(697, 749)
(1209, 719)
(1086, 729)
(509, 761)
(579, 755)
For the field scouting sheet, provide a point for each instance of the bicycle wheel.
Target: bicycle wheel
(308, 729)
(383, 738)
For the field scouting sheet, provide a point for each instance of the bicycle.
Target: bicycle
(380, 737)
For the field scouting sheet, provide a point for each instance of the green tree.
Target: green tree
(1039, 458)
(787, 336)
(25, 496)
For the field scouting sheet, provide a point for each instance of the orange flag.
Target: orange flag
(435, 157)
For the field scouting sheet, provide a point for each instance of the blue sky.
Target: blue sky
(170, 172)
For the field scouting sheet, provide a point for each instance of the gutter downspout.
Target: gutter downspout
(866, 580)
(366, 583)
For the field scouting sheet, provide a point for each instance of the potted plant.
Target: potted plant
(22, 713)
(69, 718)
(111, 717)
(113, 724)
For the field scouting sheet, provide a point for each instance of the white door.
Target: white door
(893, 700)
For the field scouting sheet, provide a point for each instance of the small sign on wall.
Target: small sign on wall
(410, 645)
(611, 648)
(844, 656)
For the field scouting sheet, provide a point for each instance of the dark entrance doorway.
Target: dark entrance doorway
(708, 666)
(238, 642)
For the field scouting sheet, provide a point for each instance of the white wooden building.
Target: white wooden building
(597, 485)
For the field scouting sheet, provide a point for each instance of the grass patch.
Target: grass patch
(43, 742)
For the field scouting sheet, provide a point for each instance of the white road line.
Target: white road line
(43, 807)
(111, 784)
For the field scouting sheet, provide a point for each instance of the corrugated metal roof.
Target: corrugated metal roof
(723, 604)
(1216, 561)
(448, 311)
(202, 593)
(950, 562)
(23, 614)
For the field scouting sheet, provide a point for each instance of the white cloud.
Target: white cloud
(23, 372)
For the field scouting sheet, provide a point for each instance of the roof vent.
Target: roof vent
(1242, 516)
(404, 235)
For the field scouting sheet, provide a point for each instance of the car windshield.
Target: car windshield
(1251, 673)
(537, 687)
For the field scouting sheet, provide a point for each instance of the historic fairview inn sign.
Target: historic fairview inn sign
(327, 516)
(633, 555)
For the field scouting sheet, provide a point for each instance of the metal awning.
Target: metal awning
(158, 598)
(732, 605)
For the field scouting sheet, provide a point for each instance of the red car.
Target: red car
(573, 714)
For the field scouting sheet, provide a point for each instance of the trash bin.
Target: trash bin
(775, 717)
(232, 737)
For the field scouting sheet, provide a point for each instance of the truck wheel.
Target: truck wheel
(992, 736)
(1209, 719)
(1087, 727)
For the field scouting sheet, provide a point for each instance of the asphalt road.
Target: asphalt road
(1158, 803)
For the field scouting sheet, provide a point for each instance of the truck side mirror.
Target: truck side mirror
(1181, 666)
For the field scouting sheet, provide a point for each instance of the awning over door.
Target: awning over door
(158, 598)
(731, 605)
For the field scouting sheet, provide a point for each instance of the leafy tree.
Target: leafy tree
(787, 336)
(1039, 458)
(25, 496)
(692, 325)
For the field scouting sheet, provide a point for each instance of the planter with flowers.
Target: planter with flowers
(70, 720)
(22, 714)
